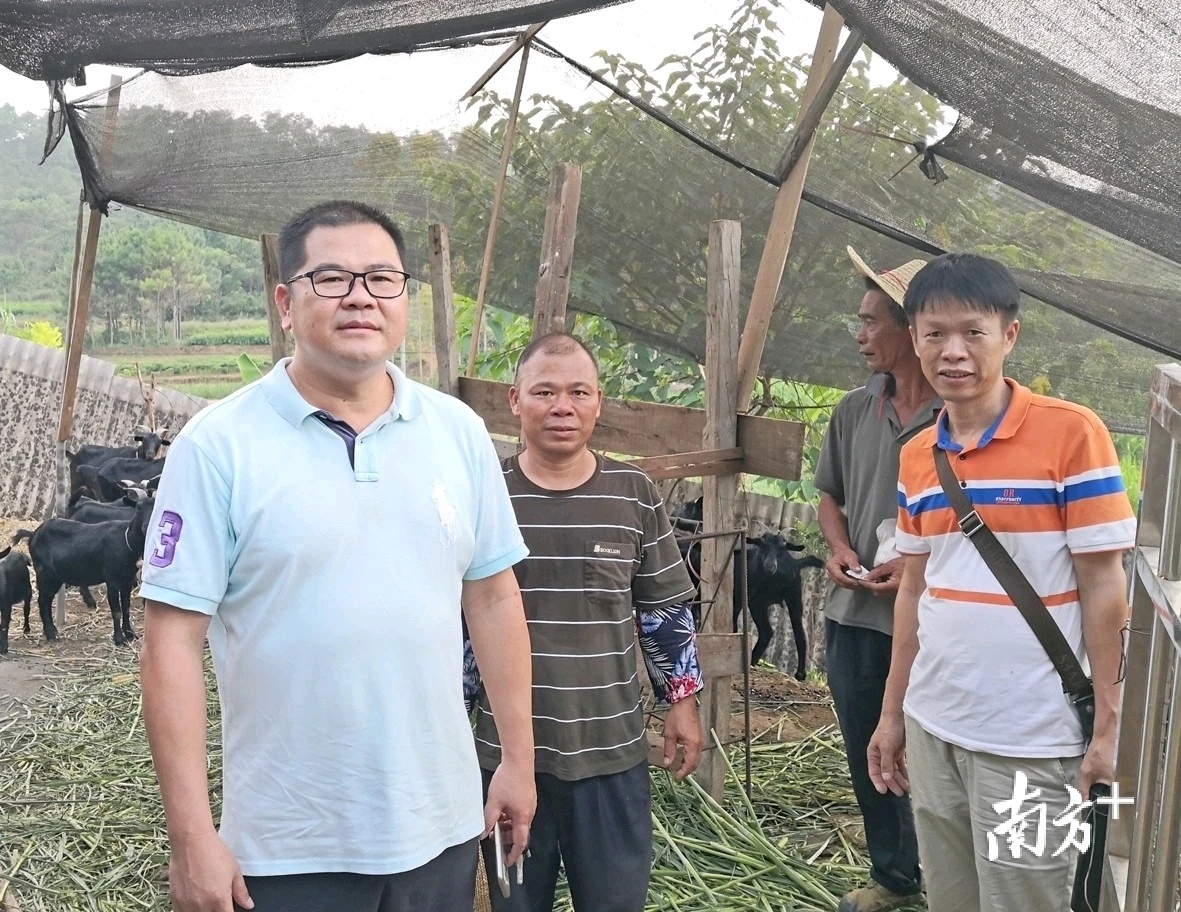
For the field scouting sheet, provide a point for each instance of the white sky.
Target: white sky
(644, 31)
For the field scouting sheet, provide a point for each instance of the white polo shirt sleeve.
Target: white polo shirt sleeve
(498, 541)
(190, 539)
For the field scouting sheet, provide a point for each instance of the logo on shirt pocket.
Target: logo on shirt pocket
(607, 569)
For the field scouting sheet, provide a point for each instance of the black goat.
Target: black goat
(149, 445)
(108, 480)
(92, 512)
(14, 587)
(71, 553)
(772, 578)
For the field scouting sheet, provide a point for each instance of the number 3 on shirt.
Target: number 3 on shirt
(170, 526)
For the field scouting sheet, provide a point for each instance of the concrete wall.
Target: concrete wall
(107, 411)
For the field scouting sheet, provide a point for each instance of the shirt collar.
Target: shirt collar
(880, 384)
(1005, 425)
(293, 408)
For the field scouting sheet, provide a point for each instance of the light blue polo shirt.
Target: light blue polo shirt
(336, 636)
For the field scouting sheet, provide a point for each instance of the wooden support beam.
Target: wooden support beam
(269, 248)
(810, 119)
(77, 261)
(720, 512)
(770, 446)
(692, 465)
(520, 42)
(783, 219)
(78, 321)
(557, 250)
(438, 255)
(85, 272)
(506, 150)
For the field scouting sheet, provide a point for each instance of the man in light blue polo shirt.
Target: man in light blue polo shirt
(323, 526)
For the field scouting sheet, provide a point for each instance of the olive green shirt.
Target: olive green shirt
(858, 468)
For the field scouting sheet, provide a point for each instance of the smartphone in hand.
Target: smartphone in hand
(501, 868)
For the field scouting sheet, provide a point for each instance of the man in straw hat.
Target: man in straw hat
(857, 476)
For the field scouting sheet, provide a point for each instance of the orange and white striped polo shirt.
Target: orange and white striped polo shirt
(1046, 479)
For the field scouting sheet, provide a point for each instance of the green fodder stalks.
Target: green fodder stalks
(81, 826)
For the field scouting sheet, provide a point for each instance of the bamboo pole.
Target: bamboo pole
(783, 218)
(510, 132)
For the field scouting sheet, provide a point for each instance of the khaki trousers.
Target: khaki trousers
(953, 792)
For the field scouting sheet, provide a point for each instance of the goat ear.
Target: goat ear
(139, 438)
(5, 552)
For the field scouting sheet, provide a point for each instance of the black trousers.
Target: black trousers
(858, 662)
(446, 883)
(600, 829)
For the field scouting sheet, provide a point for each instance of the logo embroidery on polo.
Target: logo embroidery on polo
(1009, 496)
(603, 549)
(447, 512)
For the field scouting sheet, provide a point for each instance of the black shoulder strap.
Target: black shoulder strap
(1074, 680)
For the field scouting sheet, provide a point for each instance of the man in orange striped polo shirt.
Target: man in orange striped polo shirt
(974, 715)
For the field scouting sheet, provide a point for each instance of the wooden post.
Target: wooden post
(438, 254)
(506, 149)
(783, 217)
(78, 231)
(76, 325)
(720, 491)
(269, 247)
(557, 250)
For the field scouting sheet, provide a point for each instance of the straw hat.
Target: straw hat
(892, 281)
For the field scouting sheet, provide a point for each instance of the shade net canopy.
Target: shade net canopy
(1077, 104)
(52, 39)
(234, 150)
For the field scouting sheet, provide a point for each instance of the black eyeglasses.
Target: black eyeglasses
(337, 283)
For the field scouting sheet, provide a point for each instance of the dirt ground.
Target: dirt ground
(781, 708)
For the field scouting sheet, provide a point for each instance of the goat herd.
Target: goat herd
(101, 542)
(111, 504)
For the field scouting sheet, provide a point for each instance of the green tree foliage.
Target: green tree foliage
(648, 196)
(40, 204)
(147, 268)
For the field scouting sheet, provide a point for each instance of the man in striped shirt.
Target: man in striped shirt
(602, 565)
(971, 694)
